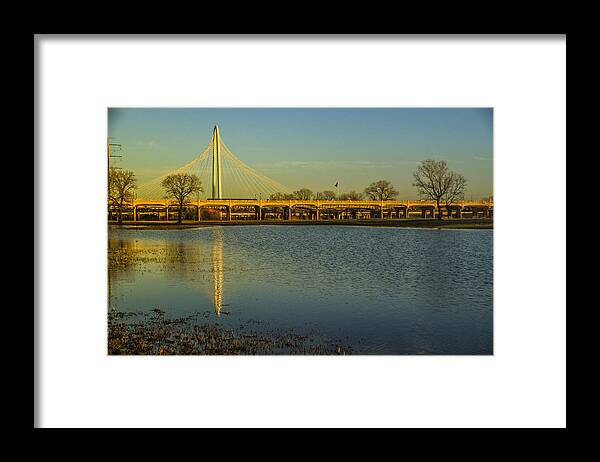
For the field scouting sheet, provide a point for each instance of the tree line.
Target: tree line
(307, 194)
(379, 190)
(432, 178)
(178, 187)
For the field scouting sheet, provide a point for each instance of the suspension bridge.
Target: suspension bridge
(238, 191)
(220, 168)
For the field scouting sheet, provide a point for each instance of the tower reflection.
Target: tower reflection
(217, 268)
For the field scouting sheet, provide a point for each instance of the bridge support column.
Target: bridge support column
(317, 213)
(134, 213)
(381, 212)
(228, 213)
(458, 212)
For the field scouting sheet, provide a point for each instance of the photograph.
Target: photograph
(300, 231)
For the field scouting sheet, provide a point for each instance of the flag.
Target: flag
(336, 184)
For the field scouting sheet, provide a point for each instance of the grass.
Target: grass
(467, 226)
(458, 223)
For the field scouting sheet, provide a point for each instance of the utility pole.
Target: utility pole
(109, 155)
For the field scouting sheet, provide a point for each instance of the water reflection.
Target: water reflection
(396, 291)
(109, 289)
(180, 258)
(217, 269)
(189, 263)
(121, 259)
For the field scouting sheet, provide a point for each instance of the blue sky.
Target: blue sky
(314, 148)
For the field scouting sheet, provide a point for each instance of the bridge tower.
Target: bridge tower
(217, 190)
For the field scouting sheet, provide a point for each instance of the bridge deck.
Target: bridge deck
(311, 203)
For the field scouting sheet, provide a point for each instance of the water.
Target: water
(381, 290)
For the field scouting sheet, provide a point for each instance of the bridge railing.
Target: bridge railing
(318, 203)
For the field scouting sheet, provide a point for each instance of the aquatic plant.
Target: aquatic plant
(152, 333)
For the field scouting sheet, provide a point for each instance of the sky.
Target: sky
(314, 147)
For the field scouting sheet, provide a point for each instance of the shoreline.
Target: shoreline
(156, 333)
(447, 223)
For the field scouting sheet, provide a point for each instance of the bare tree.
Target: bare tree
(352, 196)
(303, 194)
(435, 181)
(278, 196)
(121, 186)
(325, 196)
(179, 187)
(381, 190)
